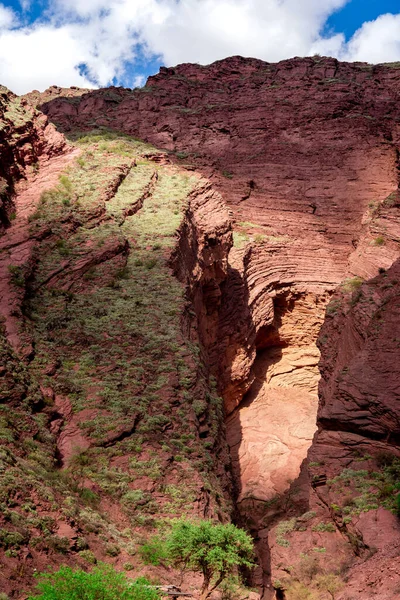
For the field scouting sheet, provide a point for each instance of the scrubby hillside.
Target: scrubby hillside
(111, 424)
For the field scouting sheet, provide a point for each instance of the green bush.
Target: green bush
(379, 241)
(215, 550)
(324, 527)
(12, 539)
(103, 583)
(330, 583)
(299, 591)
(17, 276)
(153, 552)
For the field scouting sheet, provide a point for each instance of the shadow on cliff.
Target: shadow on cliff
(237, 329)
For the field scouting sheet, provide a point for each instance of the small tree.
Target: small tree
(330, 583)
(103, 583)
(214, 550)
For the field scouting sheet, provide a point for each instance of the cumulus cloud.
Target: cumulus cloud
(29, 58)
(7, 18)
(139, 81)
(376, 41)
(205, 30)
(96, 42)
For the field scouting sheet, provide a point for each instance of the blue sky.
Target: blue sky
(350, 18)
(94, 43)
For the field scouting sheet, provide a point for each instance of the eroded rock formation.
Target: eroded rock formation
(354, 459)
(108, 417)
(26, 136)
(305, 155)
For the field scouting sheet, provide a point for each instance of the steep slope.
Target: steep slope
(26, 137)
(110, 422)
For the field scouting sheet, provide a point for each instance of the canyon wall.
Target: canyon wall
(305, 155)
(25, 138)
(110, 421)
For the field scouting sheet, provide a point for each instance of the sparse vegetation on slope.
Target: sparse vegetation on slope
(121, 386)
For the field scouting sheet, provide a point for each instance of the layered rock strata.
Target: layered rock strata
(109, 418)
(354, 459)
(26, 137)
(305, 154)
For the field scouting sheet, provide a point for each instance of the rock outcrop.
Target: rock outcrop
(354, 461)
(305, 155)
(26, 139)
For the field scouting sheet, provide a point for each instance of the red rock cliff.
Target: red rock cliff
(306, 155)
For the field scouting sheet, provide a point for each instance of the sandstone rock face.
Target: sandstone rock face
(305, 155)
(18, 244)
(354, 459)
(359, 366)
(27, 139)
(301, 146)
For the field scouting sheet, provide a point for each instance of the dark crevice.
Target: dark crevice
(378, 436)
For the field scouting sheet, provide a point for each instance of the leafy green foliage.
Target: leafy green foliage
(103, 583)
(282, 529)
(368, 490)
(154, 551)
(214, 550)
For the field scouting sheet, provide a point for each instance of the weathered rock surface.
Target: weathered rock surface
(125, 425)
(27, 140)
(305, 153)
(300, 147)
(353, 461)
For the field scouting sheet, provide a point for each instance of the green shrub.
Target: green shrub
(66, 182)
(153, 552)
(299, 591)
(379, 241)
(333, 307)
(113, 550)
(10, 539)
(215, 550)
(88, 556)
(329, 582)
(324, 527)
(352, 284)
(282, 529)
(103, 583)
(17, 276)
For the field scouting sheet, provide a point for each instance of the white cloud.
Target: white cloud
(39, 57)
(376, 41)
(25, 4)
(7, 18)
(139, 81)
(104, 35)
